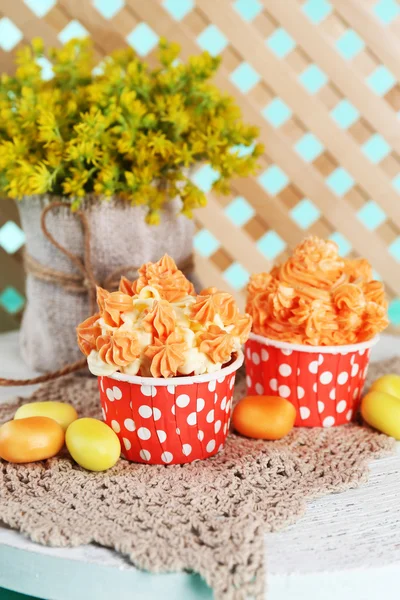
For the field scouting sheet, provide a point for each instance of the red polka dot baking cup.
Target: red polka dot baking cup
(324, 383)
(169, 421)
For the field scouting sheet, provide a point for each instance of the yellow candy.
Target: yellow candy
(31, 439)
(92, 444)
(390, 384)
(63, 414)
(382, 411)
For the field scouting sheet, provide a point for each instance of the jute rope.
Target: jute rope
(84, 282)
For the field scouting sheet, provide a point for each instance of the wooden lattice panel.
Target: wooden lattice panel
(321, 80)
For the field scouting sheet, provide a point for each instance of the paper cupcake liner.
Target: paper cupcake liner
(323, 383)
(169, 421)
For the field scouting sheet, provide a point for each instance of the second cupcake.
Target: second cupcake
(315, 318)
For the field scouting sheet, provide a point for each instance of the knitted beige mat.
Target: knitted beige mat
(208, 517)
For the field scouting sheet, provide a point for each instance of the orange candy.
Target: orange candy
(31, 439)
(264, 417)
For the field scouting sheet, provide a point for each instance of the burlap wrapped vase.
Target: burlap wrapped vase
(118, 241)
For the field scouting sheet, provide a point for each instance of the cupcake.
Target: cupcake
(315, 319)
(166, 360)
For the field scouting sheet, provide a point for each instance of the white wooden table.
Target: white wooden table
(346, 547)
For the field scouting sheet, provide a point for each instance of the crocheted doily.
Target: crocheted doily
(208, 516)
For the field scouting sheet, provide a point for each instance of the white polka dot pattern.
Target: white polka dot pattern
(212, 385)
(285, 370)
(313, 366)
(210, 446)
(156, 414)
(167, 457)
(129, 425)
(287, 352)
(145, 390)
(191, 419)
(273, 384)
(162, 436)
(145, 455)
(304, 412)
(264, 355)
(145, 411)
(326, 377)
(127, 443)
(210, 416)
(116, 426)
(354, 370)
(316, 381)
(182, 401)
(186, 449)
(171, 424)
(284, 391)
(144, 433)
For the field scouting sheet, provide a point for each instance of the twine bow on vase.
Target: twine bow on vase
(85, 282)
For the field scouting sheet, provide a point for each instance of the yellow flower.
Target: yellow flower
(159, 144)
(106, 180)
(168, 52)
(41, 179)
(74, 186)
(38, 46)
(48, 128)
(120, 129)
(153, 217)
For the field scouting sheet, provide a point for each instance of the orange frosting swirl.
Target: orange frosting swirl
(161, 320)
(126, 286)
(112, 305)
(87, 333)
(118, 303)
(217, 344)
(242, 328)
(259, 283)
(349, 296)
(166, 278)
(152, 326)
(210, 303)
(166, 355)
(374, 316)
(118, 349)
(317, 298)
(374, 292)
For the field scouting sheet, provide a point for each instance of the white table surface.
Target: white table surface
(345, 547)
